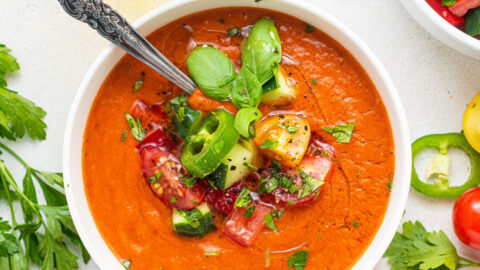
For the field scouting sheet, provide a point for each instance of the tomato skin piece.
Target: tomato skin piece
(244, 230)
(466, 218)
(445, 13)
(223, 200)
(157, 138)
(461, 7)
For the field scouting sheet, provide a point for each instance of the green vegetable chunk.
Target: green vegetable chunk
(472, 22)
(448, 2)
(245, 122)
(263, 50)
(416, 248)
(298, 260)
(212, 71)
(196, 222)
(343, 133)
(185, 119)
(246, 89)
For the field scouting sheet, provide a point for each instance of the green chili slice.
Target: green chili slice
(442, 142)
(209, 143)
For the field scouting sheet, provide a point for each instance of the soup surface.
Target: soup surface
(333, 89)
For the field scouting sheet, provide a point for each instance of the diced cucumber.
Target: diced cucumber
(196, 222)
(233, 168)
(285, 92)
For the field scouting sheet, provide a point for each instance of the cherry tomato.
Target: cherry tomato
(223, 200)
(157, 138)
(466, 217)
(151, 117)
(164, 168)
(243, 230)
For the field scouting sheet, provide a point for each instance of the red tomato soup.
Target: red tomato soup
(335, 223)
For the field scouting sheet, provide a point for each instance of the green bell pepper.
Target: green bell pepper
(208, 145)
(441, 189)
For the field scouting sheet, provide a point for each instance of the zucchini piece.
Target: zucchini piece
(196, 222)
(284, 94)
(232, 169)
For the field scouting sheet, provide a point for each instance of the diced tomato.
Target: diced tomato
(151, 117)
(162, 165)
(461, 7)
(243, 230)
(157, 138)
(223, 200)
(446, 13)
(199, 101)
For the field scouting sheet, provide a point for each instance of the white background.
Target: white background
(435, 82)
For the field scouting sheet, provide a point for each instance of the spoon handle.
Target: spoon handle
(112, 26)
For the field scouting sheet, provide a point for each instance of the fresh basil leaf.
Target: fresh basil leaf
(263, 50)
(243, 199)
(211, 69)
(472, 22)
(246, 89)
(269, 222)
(343, 133)
(245, 122)
(298, 260)
(184, 117)
(136, 127)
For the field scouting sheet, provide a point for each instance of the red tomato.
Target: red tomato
(157, 160)
(223, 200)
(151, 117)
(461, 7)
(466, 217)
(446, 13)
(157, 138)
(243, 230)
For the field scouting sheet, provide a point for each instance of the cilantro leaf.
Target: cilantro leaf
(343, 133)
(298, 260)
(20, 116)
(8, 63)
(56, 254)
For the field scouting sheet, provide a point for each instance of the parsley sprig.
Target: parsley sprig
(415, 248)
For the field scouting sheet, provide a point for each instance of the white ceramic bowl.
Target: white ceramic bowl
(72, 154)
(441, 29)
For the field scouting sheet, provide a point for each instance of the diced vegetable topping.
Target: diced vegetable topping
(343, 132)
(196, 222)
(244, 230)
(185, 119)
(280, 90)
(243, 199)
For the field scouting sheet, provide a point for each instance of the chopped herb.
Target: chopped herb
(233, 31)
(389, 186)
(343, 133)
(290, 203)
(358, 175)
(249, 212)
(212, 183)
(290, 129)
(212, 252)
(319, 235)
(221, 20)
(275, 167)
(308, 28)
(269, 144)
(189, 181)
(250, 166)
(135, 127)
(267, 185)
(173, 199)
(155, 178)
(326, 154)
(138, 85)
(277, 214)
(243, 199)
(298, 260)
(314, 81)
(124, 135)
(310, 184)
(126, 264)
(355, 224)
(448, 2)
(269, 222)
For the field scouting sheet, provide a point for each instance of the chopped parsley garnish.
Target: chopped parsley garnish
(233, 31)
(314, 81)
(249, 212)
(269, 222)
(298, 260)
(308, 28)
(250, 166)
(310, 184)
(355, 223)
(277, 214)
(221, 20)
(124, 135)
(243, 199)
(416, 248)
(136, 127)
(189, 181)
(155, 178)
(389, 186)
(269, 144)
(448, 2)
(138, 84)
(126, 264)
(326, 154)
(287, 184)
(267, 185)
(343, 133)
(173, 199)
(290, 203)
(275, 167)
(290, 129)
(358, 175)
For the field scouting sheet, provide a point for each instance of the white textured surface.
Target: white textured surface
(435, 83)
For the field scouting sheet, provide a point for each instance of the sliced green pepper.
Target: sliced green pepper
(209, 143)
(442, 142)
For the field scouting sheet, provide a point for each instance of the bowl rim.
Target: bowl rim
(438, 27)
(72, 162)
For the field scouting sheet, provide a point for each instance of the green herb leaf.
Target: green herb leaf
(189, 181)
(277, 214)
(472, 22)
(52, 178)
(250, 166)
(212, 71)
(243, 199)
(298, 260)
(246, 89)
(310, 185)
(173, 199)
(314, 81)
(184, 117)
(234, 31)
(56, 254)
(326, 154)
(245, 122)
(343, 133)
(448, 2)
(269, 144)
(124, 135)
(416, 248)
(269, 222)
(138, 84)
(308, 28)
(8, 63)
(263, 50)
(136, 127)
(290, 129)
(249, 212)
(355, 224)
(126, 264)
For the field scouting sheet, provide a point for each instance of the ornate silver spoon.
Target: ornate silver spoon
(112, 26)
